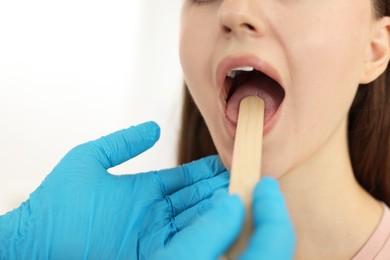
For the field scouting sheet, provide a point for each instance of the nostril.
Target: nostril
(242, 27)
(226, 29)
(249, 26)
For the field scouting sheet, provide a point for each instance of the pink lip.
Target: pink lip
(231, 62)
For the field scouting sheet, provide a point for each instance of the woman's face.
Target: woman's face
(309, 57)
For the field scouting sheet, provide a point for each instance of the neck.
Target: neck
(332, 215)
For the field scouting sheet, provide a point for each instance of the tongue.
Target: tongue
(257, 86)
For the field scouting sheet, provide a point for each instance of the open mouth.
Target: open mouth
(246, 81)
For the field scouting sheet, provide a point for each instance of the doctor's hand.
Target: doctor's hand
(82, 211)
(211, 235)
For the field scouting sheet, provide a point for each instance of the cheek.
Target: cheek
(329, 43)
(196, 46)
(192, 58)
(327, 58)
(325, 61)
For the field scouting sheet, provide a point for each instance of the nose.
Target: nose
(238, 18)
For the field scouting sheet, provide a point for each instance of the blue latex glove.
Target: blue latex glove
(207, 237)
(213, 233)
(80, 211)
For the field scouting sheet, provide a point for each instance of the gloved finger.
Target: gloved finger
(175, 179)
(192, 195)
(192, 200)
(211, 235)
(118, 147)
(188, 216)
(274, 236)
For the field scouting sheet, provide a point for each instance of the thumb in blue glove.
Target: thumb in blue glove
(274, 236)
(82, 211)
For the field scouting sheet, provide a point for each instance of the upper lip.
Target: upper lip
(232, 62)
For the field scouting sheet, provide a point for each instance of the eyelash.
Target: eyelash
(203, 2)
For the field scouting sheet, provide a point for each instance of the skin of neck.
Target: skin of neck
(332, 215)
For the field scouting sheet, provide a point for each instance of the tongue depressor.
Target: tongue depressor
(246, 163)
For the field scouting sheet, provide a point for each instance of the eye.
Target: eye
(201, 2)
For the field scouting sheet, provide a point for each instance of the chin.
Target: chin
(270, 167)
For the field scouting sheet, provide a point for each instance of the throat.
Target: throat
(263, 87)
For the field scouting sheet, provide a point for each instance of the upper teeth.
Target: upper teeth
(235, 71)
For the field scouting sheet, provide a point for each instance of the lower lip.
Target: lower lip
(231, 127)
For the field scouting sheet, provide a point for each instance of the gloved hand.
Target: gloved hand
(206, 237)
(211, 235)
(81, 211)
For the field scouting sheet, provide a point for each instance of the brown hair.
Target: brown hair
(368, 131)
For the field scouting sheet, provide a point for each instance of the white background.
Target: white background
(72, 71)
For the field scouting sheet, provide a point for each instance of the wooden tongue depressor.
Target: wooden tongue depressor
(246, 163)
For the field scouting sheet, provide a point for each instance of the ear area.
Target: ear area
(378, 54)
